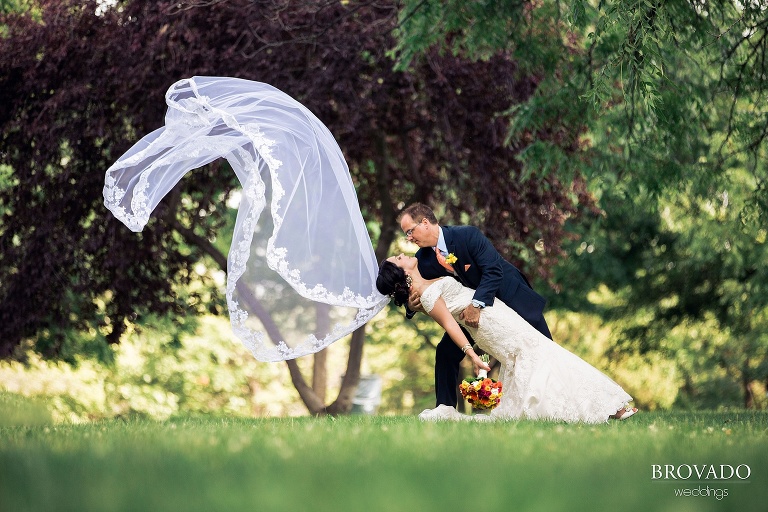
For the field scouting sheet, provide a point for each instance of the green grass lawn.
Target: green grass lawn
(361, 463)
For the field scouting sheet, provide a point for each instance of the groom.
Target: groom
(466, 254)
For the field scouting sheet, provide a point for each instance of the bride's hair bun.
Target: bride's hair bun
(392, 281)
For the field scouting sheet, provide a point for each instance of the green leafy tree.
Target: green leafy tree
(671, 98)
(670, 94)
(13, 5)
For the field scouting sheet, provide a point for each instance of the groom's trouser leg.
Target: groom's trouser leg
(447, 359)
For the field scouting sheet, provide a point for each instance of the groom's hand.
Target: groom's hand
(414, 302)
(471, 316)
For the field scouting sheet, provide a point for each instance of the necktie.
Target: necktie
(441, 261)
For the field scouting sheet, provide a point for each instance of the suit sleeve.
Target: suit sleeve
(490, 265)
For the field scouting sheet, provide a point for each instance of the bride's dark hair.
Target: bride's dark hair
(391, 281)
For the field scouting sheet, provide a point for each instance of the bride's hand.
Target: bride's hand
(479, 364)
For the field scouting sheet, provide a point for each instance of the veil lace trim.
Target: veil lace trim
(264, 134)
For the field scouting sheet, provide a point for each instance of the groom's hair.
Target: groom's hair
(391, 281)
(418, 211)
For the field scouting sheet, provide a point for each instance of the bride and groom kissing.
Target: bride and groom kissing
(460, 280)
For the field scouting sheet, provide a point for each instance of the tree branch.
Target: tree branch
(307, 394)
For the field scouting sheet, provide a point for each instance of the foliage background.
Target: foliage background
(157, 375)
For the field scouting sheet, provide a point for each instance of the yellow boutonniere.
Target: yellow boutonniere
(451, 259)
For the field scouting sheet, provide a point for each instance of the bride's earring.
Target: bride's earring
(408, 280)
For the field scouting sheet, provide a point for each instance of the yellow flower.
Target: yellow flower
(451, 258)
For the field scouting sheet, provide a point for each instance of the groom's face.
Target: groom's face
(419, 232)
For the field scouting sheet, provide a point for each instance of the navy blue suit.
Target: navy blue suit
(479, 266)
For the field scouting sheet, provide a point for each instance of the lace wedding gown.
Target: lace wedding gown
(541, 379)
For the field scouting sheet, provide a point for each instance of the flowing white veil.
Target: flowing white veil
(297, 279)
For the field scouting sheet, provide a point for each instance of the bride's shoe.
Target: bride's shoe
(623, 414)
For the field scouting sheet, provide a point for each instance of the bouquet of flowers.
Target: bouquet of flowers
(481, 392)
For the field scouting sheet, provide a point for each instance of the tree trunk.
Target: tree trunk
(320, 364)
(343, 403)
(749, 395)
(349, 383)
(746, 383)
(308, 396)
(320, 374)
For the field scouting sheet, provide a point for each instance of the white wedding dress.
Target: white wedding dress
(541, 379)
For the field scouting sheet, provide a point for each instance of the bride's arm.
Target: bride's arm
(442, 316)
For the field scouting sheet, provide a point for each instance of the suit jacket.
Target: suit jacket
(479, 266)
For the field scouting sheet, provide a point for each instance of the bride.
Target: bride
(541, 380)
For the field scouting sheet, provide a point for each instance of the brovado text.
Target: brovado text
(700, 472)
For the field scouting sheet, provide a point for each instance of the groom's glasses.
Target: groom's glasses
(410, 231)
